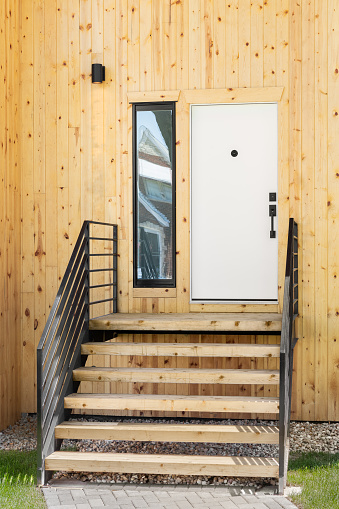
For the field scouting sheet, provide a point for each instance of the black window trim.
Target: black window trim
(153, 283)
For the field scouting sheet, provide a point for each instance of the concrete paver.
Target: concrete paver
(64, 495)
(259, 505)
(227, 503)
(239, 501)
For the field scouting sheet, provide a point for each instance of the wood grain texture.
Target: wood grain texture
(174, 403)
(69, 144)
(204, 322)
(154, 292)
(168, 432)
(307, 207)
(295, 128)
(163, 464)
(321, 208)
(333, 214)
(181, 349)
(10, 215)
(153, 96)
(176, 375)
(234, 95)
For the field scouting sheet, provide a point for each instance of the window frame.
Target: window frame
(151, 106)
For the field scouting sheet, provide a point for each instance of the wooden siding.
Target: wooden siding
(75, 146)
(10, 213)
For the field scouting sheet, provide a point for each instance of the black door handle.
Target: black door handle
(272, 212)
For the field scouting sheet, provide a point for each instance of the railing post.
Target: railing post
(290, 310)
(41, 461)
(284, 390)
(282, 427)
(115, 269)
(290, 391)
(87, 277)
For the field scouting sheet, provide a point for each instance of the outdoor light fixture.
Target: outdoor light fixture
(98, 73)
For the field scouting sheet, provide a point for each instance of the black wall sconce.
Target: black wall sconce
(98, 73)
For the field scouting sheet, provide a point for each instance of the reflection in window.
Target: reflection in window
(154, 194)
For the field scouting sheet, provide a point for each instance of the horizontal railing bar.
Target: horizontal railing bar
(57, 360)
(81, 263)
(100, 301)
(103, 224)
(61, 288)
(60, 320)
(102, 270)
(102, 238)
(66, 328)
(68, 375)
(101, 286)
(59, 381)
(102, 254)
(50, 433)
(47, 389)
(295, 341)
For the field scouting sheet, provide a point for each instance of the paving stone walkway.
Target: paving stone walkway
(66, 495)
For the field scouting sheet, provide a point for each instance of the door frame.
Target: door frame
(235, 96)
(178, 299)
(226, 301)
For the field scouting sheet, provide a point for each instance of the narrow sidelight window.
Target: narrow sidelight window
(154, 195)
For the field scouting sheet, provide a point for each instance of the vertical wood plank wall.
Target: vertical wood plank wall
(10, 214)
(75, 150)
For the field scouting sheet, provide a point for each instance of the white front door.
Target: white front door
(234, 169)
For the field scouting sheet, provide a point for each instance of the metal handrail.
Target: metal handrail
(287, 344)
(67, 327)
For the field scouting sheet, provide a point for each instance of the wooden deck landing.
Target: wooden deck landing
(189, 322)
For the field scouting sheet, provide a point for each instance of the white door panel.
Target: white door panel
(232, 254)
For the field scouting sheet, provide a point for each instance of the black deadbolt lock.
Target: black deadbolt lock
(234, 153)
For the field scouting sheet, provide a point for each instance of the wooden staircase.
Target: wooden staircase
(69, 337)
(164, 403)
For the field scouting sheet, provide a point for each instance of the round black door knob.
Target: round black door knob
(234, 153)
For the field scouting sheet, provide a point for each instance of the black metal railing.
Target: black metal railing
(67, 327)
(287, 344)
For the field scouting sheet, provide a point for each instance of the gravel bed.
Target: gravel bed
(21, 436)
(305, 437)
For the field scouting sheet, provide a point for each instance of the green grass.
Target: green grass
(318, 475)
(18, 481)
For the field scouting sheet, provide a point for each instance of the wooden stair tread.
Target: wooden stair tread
(181, 349)
(175, 375)
(162, 464)
(167, 432)
(173, 403)
(190, 322)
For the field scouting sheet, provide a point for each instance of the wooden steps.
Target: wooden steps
(162, 464)
(173, 403)
(149, 432)
(189, 322)
(181, 349)
(182, 376)
(125, 353)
